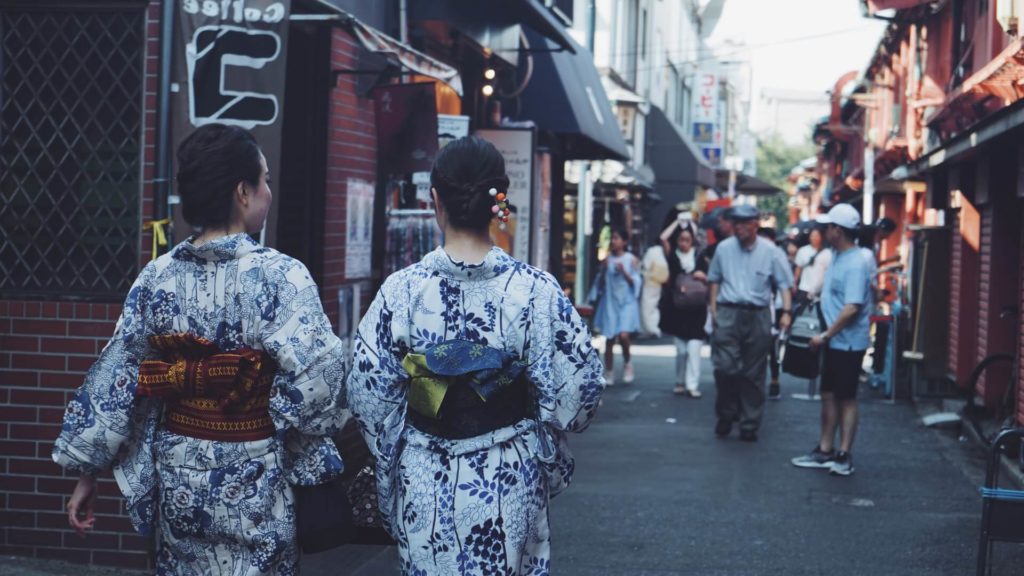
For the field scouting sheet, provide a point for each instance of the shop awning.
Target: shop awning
(679, 168)
(374, 40)
(874, 6)
(565, 96)
(481, 19)
(745, 184)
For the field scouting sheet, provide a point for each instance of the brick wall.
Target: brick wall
(45, 350)
(352, 153)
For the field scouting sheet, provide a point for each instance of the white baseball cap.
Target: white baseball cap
(842, 215)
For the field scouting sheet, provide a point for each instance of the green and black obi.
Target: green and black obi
(461, 389)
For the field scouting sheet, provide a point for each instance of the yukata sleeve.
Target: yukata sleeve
(378, 383)
(309, 389)
(565, 372)
(98, 421)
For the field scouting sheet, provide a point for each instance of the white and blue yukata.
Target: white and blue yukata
(224, 508)
(476, 505)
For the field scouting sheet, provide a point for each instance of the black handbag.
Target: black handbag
(323, 516)
(799, 359)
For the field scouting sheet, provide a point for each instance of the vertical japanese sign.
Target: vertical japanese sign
(516, 145)
(706, 127)
(229, 67)
(358, 229)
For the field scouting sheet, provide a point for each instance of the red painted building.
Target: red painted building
(939, 108)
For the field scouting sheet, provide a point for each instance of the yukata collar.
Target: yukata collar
(224, 248)
(495, 262)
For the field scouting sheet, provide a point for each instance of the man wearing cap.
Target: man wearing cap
(743, 273)
(846, 301)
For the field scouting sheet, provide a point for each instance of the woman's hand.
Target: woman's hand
(698, 275)
(80, 506)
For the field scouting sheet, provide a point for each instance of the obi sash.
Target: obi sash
(210, 394)
(461, 389)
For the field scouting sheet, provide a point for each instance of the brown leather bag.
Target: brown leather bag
(688, 292)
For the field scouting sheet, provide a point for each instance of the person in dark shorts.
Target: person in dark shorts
(846, 302)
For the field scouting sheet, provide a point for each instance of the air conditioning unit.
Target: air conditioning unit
(1008, 14)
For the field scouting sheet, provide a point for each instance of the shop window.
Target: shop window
(71, 83)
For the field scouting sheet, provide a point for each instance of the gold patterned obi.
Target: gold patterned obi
(210, 394)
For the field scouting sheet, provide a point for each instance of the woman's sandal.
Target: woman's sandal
(679, 391)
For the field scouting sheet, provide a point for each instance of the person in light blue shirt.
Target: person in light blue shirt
(846, 304)
(743, 274)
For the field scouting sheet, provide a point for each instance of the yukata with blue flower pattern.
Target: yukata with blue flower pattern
(216, 507)
(479, 505)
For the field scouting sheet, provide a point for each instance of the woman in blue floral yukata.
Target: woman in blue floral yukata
(220, 387)
(470, 368)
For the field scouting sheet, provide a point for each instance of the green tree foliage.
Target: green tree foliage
(775, 159)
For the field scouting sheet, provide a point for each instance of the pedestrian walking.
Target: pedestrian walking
(775, 306)
(469, 369)
(616, 290)
(180, 402)
(742, 275)
(846, 303)
(684, 303)
(654, 269)
(812, 261)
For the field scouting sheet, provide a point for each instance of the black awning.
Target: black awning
(679, 168)
(745, 184)
(485, 20)
(565, 96)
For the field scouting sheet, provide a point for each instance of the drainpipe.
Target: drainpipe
(162, 182)
(403, 21)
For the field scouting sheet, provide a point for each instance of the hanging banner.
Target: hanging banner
(517, 146)
(406, 127)
(229, 68)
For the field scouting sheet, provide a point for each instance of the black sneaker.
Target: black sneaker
(723, 428)
(774, 392)
(842, 465)
(816, 459)
(748, 435)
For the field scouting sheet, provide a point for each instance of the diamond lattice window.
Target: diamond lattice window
(71, 84)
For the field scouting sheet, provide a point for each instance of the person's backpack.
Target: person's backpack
(798, 359)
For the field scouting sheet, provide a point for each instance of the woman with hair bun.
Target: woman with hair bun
(470, 369)
(221, 386)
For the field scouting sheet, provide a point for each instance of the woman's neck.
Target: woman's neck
(469, 246)
(211, 234)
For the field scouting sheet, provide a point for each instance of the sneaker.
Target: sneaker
(774, 392)
(609, 377)
(723, 427)
(816, 459)
(679, 390)
(842, 465)
(627, 373)
(695, 394)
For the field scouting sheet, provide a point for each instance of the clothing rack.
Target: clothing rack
(407, 212)
(412, 233)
